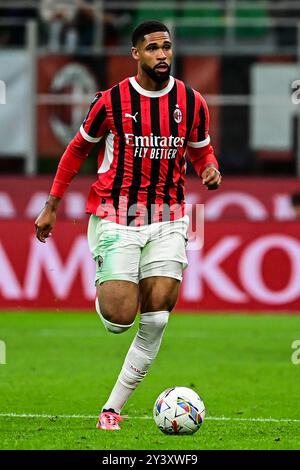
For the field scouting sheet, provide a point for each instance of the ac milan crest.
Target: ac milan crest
(177, 114)
(100, 262)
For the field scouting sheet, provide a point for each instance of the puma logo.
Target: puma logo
(131, 116)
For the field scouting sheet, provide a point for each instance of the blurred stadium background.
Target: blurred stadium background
(242, 56)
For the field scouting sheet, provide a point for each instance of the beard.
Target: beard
(157, 76)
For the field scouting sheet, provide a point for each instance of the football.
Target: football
(179, 410)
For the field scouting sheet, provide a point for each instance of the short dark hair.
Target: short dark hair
(147, 27)
(295, 199)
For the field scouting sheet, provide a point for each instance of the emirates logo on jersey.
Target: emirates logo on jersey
(177, 114)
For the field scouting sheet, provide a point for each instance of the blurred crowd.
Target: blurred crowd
(71, 24)
(77, 23)
(66, 25)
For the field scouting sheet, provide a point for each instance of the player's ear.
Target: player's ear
(135, 53)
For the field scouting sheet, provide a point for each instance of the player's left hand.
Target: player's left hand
(211, 177)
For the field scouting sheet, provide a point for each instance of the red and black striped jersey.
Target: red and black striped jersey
(142, 159)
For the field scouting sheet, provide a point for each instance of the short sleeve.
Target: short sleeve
(94, 125)
(199, 136)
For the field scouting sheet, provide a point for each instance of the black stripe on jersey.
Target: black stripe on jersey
(117, 116)
(190, 111)
(97, 122)
(174, 132)
(180, 193)
(155, 128)
(137, 162)
(201, 127)
(98, 95)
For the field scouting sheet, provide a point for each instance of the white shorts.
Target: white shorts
(134, 253)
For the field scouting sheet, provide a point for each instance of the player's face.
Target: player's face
(155, 55)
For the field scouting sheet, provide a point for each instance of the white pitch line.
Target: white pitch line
(31, 415)
(211, 418)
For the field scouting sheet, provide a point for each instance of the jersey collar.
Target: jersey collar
(152, 94)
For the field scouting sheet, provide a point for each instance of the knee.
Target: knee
(118, 307)
(120, 316)
(152, 304)
(115, 321)
(159, 294)
(117, 304)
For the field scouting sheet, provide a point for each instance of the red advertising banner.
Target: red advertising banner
(244, 266)
(255, 199)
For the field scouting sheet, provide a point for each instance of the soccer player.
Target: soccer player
(137, 229)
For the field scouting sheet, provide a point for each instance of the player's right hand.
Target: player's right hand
(44, 223)
(211, 177)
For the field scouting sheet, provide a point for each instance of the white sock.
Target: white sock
(140, 356)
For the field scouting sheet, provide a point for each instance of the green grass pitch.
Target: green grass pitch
(60, 368)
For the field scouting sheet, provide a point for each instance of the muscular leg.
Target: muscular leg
(158, 296)
(158, 293)
(118, 301)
